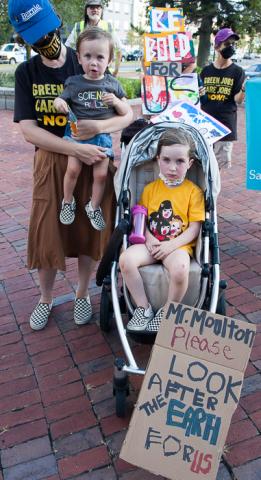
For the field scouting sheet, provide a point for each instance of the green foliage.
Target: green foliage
(131, 86)
(7, 79)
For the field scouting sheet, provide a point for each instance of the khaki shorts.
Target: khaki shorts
(223, 152)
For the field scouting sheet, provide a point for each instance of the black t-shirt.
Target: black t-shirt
(221, 85)
(36, 87)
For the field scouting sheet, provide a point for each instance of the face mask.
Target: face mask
(171, 183)
(51, 47)
(228, 52)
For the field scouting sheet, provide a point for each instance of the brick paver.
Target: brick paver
(57, 416)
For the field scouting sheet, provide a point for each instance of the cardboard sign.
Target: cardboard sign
(191, 388)
(186, 112)
(161, 93)
(253, 106)
(166, 20)
(165, 69)
(162, 47)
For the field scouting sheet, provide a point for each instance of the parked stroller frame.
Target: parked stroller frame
(210, 297)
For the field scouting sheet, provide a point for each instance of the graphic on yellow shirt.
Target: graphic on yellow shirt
(164, 224)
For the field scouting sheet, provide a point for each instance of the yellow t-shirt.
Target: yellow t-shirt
(171, 209)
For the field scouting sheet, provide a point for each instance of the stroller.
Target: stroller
(205, 290)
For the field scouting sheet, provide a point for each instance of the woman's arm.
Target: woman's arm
(89, 128)
(162, 250)
(49, 142)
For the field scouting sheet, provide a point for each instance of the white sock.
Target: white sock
(148, 311)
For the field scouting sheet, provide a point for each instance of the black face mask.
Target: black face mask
(228, 52)
(50, 47)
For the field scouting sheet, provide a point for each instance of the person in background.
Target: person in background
(38, 82)
(93, 10)
(224, 84)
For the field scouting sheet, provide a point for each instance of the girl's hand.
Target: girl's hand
(89, 154)
(151, 242)
(109, 99)
(60, 105)
(161, 251)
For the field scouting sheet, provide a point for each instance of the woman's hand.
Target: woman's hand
(89, 154)
(162, 250)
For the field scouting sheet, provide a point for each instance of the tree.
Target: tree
(210, 15)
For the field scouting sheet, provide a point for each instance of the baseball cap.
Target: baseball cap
(32, 20)
(223, 34)
(91, 3)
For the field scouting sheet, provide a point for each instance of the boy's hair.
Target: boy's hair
(96, 33)
(173, 136)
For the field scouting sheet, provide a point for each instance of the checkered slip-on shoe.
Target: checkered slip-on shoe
(82, 310)
(40, 315)
(67, 213)
(139, 321)
(95, 217)
(154, 324)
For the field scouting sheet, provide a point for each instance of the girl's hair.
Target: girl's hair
(96, 33)
(173, 136)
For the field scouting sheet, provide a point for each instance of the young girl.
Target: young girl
(94, 95)
(170, 198)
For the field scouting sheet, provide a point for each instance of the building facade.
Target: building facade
(122, 13)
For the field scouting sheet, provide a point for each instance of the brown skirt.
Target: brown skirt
(49, 242)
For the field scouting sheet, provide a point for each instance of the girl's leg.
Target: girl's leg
(100, 170)
(177, 264)
(130, 260)
(70, 178)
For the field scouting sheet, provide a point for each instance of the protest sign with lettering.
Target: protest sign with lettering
(166, 20)
(253, 137)
(190, 391)
(161, 93)
(186, 112)
(164, 69)
(162, 47)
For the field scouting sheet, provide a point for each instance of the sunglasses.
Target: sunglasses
(45, 39)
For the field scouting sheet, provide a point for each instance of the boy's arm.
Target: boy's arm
(121, 105)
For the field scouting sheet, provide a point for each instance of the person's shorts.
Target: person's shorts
(223, 153)
(102, 140)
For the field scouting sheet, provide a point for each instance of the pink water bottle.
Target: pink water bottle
(139, 216)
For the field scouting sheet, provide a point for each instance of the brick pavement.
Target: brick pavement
(56, 406)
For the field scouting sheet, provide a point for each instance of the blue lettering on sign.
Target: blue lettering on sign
(195, 421)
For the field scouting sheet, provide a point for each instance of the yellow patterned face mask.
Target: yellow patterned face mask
(50, 46)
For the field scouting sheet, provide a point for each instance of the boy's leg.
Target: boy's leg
(100, 170)
(72, 173)
(93, 208)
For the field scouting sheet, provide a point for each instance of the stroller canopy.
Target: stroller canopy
(142, 148)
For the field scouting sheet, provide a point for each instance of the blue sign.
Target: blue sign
(253, 115)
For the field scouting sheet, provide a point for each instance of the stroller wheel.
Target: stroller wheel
(221, 305)
(106, 310)
(120, 387)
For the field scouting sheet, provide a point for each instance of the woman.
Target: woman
(38, 82)
(93, 18)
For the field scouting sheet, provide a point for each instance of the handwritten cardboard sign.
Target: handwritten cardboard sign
(166, 20)
(191, 389)
(186, 112)
(161, 93)
(168, 47)
(165, 69)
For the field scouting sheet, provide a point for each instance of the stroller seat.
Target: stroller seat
(155, 277)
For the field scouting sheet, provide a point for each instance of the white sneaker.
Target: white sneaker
(141, 318)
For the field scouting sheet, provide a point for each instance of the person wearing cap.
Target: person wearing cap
(224, 86)
(93, 11)
(38, 82)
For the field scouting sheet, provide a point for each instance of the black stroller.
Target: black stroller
(205, 289)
